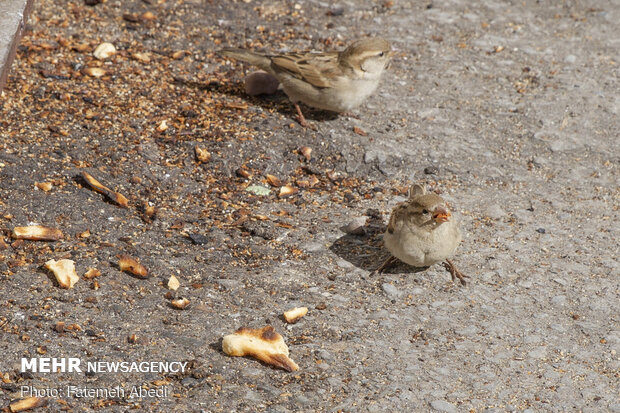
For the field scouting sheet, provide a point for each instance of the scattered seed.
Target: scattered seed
(92, 273)
(180, 303)
(27, 403)
(306, 152)
(37, 233)
(99, 187)
(202, 155)
(163, 125)
(274, 180)
(148, 15)
(173, 283)
(104, 51)
(287, 190)
(64, 271)
(44, 186)
(141, 57)
(360, 131)
(295, 314)
(132, 266)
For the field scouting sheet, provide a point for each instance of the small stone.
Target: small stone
(372, 155)
(391, 291)
(260, 229)
(189, 382)
(342, 263)
(559, 300)
(336, 11)
(312, 246)
(570, 59)
(431, 170)
(374, 408)
(302, 400)
(253, 396)
(541, 230)
(131, 17)
(355, 227)
(258, 190)
(229, 283)
(199, 239)
(443, 406)
(334, 382)
(494, 211)
(538, 353)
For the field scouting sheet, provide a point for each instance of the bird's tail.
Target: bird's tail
(255, 59)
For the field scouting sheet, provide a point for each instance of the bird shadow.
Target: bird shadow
(365, 249)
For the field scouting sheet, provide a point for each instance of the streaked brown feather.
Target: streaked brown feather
(316, 69)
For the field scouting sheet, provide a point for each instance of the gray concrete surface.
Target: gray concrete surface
(511, 108)
(13, 17)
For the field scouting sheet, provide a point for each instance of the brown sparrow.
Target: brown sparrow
(421, 232)
(334, 81)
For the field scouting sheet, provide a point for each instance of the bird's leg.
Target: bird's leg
(300, 116)
(301, 119)
(454, 272)
(386, 264)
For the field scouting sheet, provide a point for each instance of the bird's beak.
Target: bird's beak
(441, 215)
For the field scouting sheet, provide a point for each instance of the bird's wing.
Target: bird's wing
(253, 58)
(396, 217)
(318, 69)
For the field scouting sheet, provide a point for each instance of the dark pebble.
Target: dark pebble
(199, 239)
(431, 170)
(336, 11)
(541, 230)
(260, 229)
(9, 387)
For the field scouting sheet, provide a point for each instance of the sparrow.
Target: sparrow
(422, 232)
(333, 81)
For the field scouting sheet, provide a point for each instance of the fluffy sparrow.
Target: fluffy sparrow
(334, 81)
(421, 232)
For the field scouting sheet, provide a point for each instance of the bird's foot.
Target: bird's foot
(386, 264)
(448, 265)
(302, 120)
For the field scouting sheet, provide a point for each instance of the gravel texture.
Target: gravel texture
(508, 109)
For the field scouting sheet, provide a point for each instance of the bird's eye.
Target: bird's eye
(381, 54)
(425, 211)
